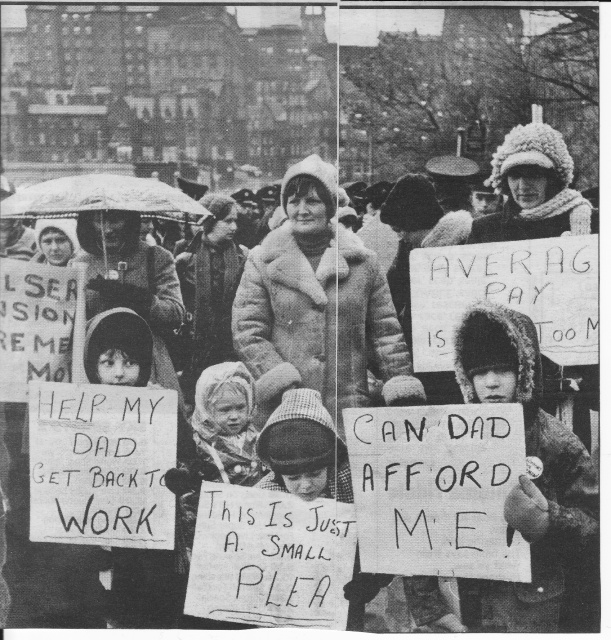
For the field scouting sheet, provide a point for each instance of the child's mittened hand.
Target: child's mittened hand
(526, 510)
(178, 481)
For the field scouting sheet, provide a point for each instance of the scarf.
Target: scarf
(566, 200)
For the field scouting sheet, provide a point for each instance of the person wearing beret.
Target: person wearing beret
(209, 273)
(248, 214)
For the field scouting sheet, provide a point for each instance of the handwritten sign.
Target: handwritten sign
(430, 485)
(98, 455)
(270, 559)
(38, 306)
(553, 280)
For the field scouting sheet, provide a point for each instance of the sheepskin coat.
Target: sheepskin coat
(569, 479)
(317, 330)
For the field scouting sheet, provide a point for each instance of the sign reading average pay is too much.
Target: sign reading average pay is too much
(270, 559)
(554, 281)
(98, 456)
(430, 484)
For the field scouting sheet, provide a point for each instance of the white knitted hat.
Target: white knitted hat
(316, 167)
(536, 144)
(65, 225)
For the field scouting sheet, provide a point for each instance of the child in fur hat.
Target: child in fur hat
(534, 169)
(497, 360)
(308, 459)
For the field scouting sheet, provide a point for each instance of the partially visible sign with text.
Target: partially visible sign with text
(553, 280)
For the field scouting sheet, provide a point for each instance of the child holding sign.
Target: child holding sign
(554, 506)
(144, 593)
(308, 459)
(225, 439)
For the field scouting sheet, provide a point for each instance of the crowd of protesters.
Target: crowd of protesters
(281, 309)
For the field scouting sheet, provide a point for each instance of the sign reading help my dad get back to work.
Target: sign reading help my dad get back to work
(430, 485)
(98, 455)
(271, 559)
(554, 281)
(37, 315)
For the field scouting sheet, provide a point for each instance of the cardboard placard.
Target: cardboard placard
(98, 455)
(430, 485)
(552, 280)
(270, 559)
(38, 308)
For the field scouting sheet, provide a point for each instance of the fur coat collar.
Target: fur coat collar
(288, 266)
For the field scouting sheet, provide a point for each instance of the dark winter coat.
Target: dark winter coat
(569, 479)
(167, 310)
(294, 326)
(209, 277)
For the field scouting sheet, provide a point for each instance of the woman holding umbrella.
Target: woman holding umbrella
(121, 270)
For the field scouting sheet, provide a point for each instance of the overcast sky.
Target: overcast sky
(355, 26)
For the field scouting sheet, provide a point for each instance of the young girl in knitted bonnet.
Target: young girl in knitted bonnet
(533, 169)
(222, 424)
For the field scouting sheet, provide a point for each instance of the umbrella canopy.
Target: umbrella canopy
(67, 197)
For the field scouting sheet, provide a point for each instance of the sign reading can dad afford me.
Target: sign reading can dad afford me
(430, 485)
(37, 313)
(553, 280)
(98, 455)
(270, 559)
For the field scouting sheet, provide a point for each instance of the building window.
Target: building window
(128, 55)
(47, 28)
(65, 31)
(76, 30)
(88, 29)
(139, 28)
(64, 17)
(75, 16)
(34, 28)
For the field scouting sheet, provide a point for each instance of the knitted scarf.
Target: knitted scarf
(566, 200)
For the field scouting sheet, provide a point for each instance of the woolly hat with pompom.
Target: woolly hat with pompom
(532, 144)
(300, 435)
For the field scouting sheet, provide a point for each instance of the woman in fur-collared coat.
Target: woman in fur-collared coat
(313, 307)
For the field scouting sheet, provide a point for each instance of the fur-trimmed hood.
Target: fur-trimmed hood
(523, 336)
(287, 265)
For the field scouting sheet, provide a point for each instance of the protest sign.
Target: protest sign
(270, 559)
(38, 306)
(552, 280)
(430, 485)
(98, 455)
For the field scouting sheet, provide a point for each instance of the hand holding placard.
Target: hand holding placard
(430, 484)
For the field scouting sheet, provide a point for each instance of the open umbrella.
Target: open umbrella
(67, 197)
